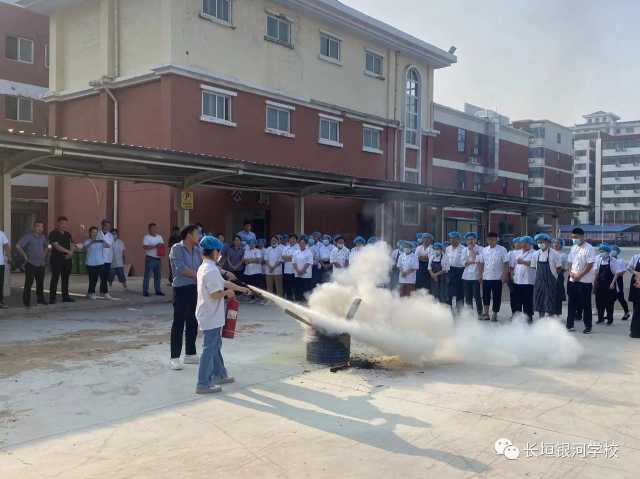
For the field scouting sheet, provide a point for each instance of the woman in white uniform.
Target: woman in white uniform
(407, 267)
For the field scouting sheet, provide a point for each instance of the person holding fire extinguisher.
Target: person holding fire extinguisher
(210, 313)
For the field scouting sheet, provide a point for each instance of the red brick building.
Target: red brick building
(24, 80)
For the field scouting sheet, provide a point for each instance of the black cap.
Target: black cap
(578, 231)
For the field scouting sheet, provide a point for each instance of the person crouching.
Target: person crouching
(210, 313)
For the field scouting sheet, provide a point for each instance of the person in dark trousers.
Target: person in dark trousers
(33, 247)
(604, 284)
(5, 253)
(302, 265)
(548, 264)
(423, 252)
(454, 255)
(472, 273)
(634, 295)
(581, 275)
(561, 294)
(621, 267)
(94, 260)
(173, 239)
(153, 244)
(62, 249)
(524, 278)
(185, 258)
(106, 237)
(438, 268)
(494, 260)
(288, 277)
(516, 244)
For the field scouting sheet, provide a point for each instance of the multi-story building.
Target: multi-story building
(311, 84)
(24, 79)
(550, 165)
(478, 150)
(611, 151)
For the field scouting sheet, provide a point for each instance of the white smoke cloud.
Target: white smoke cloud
(419, 330)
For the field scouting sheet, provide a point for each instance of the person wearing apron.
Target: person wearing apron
(561, 295)
(438, 271)
(524, 278)
(455, 259)
(621, 267)
(547, 262)
(423, 252)
(407, 267)
(634, 295)
(604, 285)
(472, 273)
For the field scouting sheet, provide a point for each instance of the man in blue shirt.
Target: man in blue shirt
(246, 234)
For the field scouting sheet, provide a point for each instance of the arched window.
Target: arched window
(412, 94)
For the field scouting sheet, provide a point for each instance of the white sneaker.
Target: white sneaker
(92, 296)
(175, 364)
(191, 359)
(107, 296)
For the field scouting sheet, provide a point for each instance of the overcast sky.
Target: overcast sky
(553, 59)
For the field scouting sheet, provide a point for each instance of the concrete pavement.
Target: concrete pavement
(88, 395)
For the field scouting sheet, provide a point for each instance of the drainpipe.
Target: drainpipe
(116, 139)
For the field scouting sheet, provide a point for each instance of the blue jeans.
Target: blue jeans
(151, 266)
(211, 363)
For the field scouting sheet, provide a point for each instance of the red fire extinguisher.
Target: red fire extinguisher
(229, 330)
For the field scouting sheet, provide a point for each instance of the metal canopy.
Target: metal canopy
(70, 157)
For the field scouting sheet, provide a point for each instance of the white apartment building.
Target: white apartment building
(607, 166)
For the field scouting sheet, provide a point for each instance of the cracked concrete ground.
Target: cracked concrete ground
(88, 395)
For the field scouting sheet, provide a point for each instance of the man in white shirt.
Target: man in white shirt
(581, 275)
(494, 262)
(288, 278)
(152, 243)
(339, 256)
(516, 244)
(423, 253)
(472, 274)
(455, 259)
(302, 266)
(524, 278)
(5, 251)
(621, 267)
(106, 237)
(210, 313)
(273, 266)
(325, 247)
(407, 266)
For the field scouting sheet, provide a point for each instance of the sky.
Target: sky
(539, 59)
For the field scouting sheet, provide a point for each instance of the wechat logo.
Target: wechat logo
(504, 447)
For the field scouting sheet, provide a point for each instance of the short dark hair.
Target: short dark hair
(492, 234)
(236, 237)
(175, 228)
(62, 218)
(293, 235)
(187, 230)
(106, 222)
(38, 222)
(151, 225)
(92, 229)
(578, 231)
(247, 222)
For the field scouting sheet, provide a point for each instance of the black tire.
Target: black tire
(329, 350)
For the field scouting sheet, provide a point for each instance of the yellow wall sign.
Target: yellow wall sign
(187, 200)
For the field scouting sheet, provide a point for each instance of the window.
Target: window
(371, 139)
(217, 9)
(19, 49)
(216, 105)
(330, 47)
(279, 119)
(46, 56)
(579, 181)
(477, 182)
(412, 108)
(18, 108)
(462, 179)
(536, 152)
(410, 213)
(617, 131)
(505, 185)
(558, 138)
(629, 130)
(373, 63)
(330, 131)
(279, 30)
(412, 176)
(523, 188)
(462, 140)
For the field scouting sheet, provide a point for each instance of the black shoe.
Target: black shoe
(3, 306)
(146, 295)
(587, 331)
(626, 317)
(43, 302)
(600, 321)
(571, 329)
(53, 300)
(68, 300)
(609, 323)
(159, 293)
